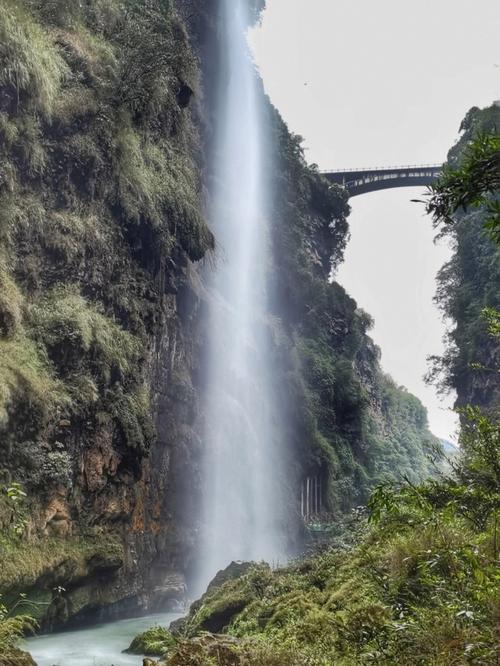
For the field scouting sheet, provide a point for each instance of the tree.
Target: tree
(475, 182)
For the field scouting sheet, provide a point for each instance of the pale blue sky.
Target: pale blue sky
(383, 83)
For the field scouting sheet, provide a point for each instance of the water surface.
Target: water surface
(99, 645)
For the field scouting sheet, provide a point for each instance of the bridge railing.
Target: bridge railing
(384, 168)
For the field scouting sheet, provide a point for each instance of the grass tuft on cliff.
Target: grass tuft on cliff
(25, 562)
(31, 66)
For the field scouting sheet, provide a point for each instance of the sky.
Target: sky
(380, 84)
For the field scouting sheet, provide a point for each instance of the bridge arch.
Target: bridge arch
(361, 181)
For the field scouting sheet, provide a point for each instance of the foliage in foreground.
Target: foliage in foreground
(472, 183)
(12, 628)
(421, 587)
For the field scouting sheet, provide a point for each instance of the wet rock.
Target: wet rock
(171, 593)
(218, 609)
(178, 627)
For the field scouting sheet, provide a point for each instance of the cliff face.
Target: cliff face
(101, 328)
(350, 424)
(100, 201)
(467, 285)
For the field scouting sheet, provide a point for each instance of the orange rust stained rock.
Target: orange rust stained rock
(138, 515)
(57, 518)
(100, 462)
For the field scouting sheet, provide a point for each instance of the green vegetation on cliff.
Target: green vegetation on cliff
(469, 284)
(350, 424)
(98, 193)
(100, 215)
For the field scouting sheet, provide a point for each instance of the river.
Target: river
(99, 645)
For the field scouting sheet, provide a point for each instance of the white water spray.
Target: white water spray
(243, 451)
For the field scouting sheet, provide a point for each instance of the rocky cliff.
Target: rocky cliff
(105, 129)
(468, 285)
(101, 218)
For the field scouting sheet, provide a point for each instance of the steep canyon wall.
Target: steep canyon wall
(106, 126)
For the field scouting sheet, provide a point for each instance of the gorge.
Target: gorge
(181, 383)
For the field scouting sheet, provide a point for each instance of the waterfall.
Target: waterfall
(243, 452)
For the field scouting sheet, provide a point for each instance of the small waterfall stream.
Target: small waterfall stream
(242, 440)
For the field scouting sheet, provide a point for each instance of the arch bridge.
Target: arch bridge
(361, 181)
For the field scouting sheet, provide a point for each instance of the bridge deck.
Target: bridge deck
(360, 181)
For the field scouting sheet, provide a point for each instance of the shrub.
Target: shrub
(12, 630)
(132, 413)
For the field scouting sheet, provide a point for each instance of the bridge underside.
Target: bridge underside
(375, 185)
(371, 180)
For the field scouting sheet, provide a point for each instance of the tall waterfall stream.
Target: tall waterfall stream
(242, 440)
(240, 519)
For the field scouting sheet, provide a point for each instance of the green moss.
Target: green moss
(225, 600)
(69, 327)
(31, 67)
(28, 390)
(155, 642)
(23, 562)
(132, 412)
(95, 195)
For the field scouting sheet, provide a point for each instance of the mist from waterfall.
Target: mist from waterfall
(242, 502)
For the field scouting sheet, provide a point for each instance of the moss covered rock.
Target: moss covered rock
(17, 658)
(231, 590)
(155, 642)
